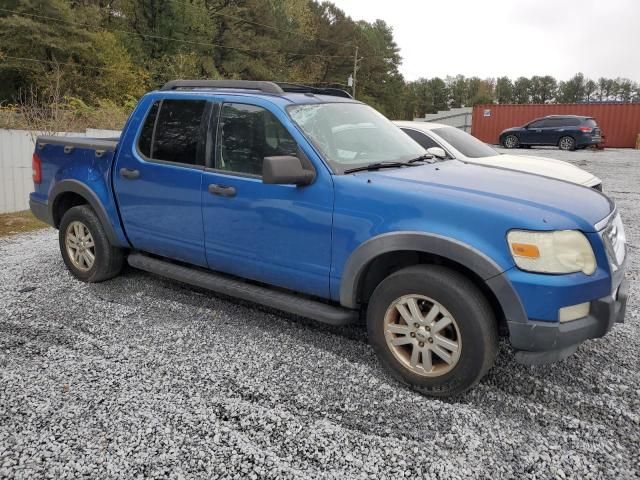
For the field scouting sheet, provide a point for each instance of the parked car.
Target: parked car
(307, 201)
(444, 141)
(567, 132)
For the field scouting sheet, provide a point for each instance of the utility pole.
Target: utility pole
(355, 69)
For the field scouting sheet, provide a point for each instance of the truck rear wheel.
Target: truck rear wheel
(85, 248)
(432, 329)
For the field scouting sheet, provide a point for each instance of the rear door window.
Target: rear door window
(179, 132)
(557, 122)
(146, 134)
(174, 131)
(567, 122)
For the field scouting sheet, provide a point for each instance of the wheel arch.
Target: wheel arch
(70, 193)
(380, 256)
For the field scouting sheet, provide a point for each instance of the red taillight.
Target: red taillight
(36, 168)
(585, 129)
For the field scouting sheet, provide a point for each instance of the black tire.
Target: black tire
(567, 143)
(511, 141)
(108, 259)
(466, 304)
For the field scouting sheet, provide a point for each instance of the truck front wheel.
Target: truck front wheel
(433, 329)
(85, 247)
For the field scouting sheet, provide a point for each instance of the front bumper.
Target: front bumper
(545, 342)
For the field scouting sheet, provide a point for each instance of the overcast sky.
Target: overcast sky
(491, 38)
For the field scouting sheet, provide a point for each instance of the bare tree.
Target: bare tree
(42, 109)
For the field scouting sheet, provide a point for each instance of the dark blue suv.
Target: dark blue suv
(568, 132)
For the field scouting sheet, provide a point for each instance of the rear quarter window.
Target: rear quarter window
(571, 122)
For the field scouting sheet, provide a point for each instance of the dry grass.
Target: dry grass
(19, 222)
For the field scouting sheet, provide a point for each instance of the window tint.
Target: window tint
(146, 134)
(563, 122)
(537, 124)
(422, 138)
(555, 122)
(178, 132)
(247, 134)
(466, 144)
(572, 122)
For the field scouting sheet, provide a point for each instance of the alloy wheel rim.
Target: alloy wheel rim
(80, 246)
(565, 143)
(422, 335)
(511, 141)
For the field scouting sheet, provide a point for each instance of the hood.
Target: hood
(537, 202)
(512, 129)
(547, 167)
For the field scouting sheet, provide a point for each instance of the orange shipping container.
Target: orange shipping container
(620, 122)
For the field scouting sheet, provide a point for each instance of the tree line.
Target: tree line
(112, 51)
(432, 95)
(104, 54)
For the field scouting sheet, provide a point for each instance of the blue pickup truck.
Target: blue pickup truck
(305, 200)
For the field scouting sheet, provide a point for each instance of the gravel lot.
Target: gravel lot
(141, 377)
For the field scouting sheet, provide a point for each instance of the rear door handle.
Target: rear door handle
(222, 190)
(129, 173)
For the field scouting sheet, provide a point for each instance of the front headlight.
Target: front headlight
(560, 251)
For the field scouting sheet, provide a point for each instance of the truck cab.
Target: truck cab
(306, 200)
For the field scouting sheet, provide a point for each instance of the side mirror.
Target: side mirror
(437, 152)
(286, 170)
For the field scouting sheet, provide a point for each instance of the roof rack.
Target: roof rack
(274, 88)
(266, 87)
(297, 88)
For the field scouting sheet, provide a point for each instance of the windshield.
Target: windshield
(349, 135)
(466, 144)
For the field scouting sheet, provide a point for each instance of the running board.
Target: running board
(219, 283)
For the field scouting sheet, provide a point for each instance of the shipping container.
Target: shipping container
(620, 122)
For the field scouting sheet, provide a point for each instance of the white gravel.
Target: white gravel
(142, 377)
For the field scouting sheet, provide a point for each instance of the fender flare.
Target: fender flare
(79, 188)
(483, 266)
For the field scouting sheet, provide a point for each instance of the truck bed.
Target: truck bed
(104, 144)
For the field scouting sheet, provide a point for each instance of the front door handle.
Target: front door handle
(223, 190)
(129, 173)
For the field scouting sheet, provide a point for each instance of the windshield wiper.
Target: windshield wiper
(378, 165)
(422, 158)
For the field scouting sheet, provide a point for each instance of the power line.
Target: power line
(55, 62)
(190, 42)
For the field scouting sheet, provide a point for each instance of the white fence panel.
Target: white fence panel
(456, 117)
(16, 149)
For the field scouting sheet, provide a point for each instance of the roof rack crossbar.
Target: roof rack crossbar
(266, 87)
(297, 88)
(274, 88)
